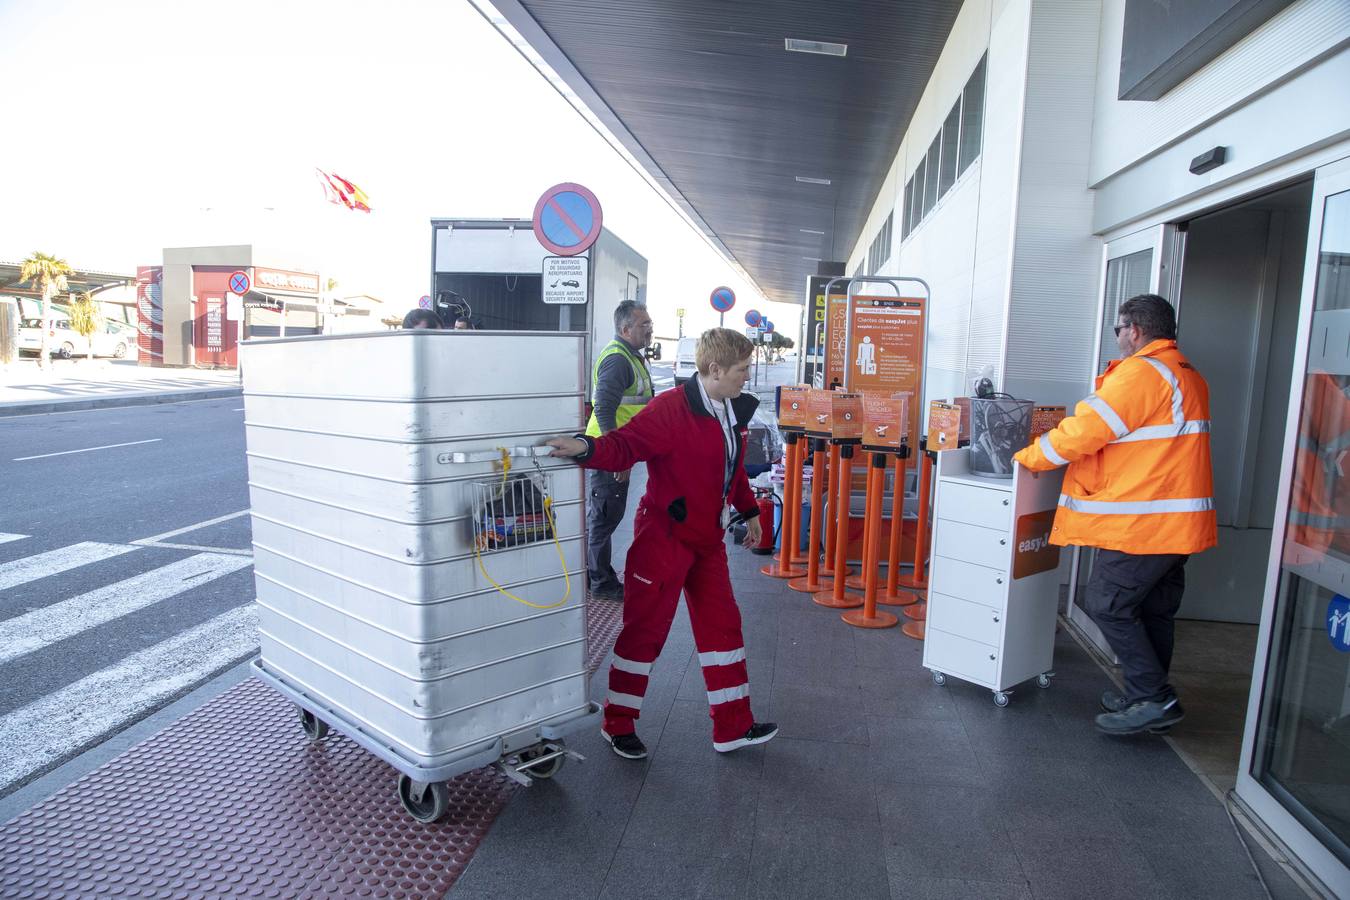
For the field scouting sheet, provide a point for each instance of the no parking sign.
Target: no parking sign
(567, 219)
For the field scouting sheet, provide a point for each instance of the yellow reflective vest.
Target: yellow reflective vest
(637, 395)
(1139, 477)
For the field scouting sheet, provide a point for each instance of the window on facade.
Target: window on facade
(950, 142)
(972, 117)
(930, 185)
(916, 206)
(906, 211)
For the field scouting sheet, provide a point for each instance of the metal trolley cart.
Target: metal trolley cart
(418, 559)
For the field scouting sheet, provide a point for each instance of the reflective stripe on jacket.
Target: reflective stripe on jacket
(1139, 478)
(637, 395)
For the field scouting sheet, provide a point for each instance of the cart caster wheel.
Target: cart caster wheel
(543, 770)
(939, 679)
(434, 802)
(1043, 680)
(316, 729)
(1000, 698)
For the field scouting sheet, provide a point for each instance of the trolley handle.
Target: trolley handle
(481, 456)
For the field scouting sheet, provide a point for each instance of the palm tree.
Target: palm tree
(85, 319)
(49, 274)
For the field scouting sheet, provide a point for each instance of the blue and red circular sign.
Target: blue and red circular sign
(567, 219)
(753, 318)
(240, 282)
(722, 299)
(767, 326)
(424, 301)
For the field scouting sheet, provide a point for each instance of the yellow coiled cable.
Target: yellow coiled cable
(553, 525)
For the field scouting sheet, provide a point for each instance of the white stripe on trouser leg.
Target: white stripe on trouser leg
(722, 657)
(726, 695)
(632, 668)
(630, 701)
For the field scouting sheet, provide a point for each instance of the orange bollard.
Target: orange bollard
(869, 616)
(918, 579)
(836, 598)
(792, 511)
(811, 582)
(832, 523)
(894, 596)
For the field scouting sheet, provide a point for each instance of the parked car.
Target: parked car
(684, 360)
(112, 339)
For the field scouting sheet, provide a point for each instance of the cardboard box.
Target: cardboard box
(944, 425)
(792, 406)
(1045, 418)
(846, 417)
(885, 421)
(819, 413)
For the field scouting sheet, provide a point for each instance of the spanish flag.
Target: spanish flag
(342, 192)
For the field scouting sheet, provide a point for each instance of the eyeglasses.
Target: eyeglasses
(1117, 328)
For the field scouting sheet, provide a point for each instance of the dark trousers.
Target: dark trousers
(1134, 600)
(606, 500)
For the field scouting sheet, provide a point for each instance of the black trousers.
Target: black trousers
(606, 501)
(1134, 601)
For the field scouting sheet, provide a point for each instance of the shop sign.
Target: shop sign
(846, 416)
(885, 350)
(281, 280)
(1034, 553)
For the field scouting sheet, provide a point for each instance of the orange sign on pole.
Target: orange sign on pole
(885, 351)
(792, 406)
(885, 421)
(846, 416)
(944, 426)
(1045, 418)
(836, 312)
(819, 413)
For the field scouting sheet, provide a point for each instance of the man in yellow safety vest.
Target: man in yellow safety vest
(622, 385)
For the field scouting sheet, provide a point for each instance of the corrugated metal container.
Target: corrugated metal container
(372, 603)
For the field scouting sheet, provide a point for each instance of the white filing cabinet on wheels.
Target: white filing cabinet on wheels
(993, 587)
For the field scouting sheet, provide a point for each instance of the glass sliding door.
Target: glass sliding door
(1296, 751)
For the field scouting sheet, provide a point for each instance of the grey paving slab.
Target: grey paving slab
(697, 813)
(911, 887)
(804, 779)
(819, 713)
(948, 832)
(685, 744)
(808, 859)
(660, 875)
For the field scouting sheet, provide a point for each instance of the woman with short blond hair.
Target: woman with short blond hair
(693, 440)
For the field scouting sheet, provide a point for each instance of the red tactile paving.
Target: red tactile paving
(234, 800)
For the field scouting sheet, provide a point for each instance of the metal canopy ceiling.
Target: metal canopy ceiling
(704, 95)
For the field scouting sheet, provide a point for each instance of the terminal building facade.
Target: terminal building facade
(1060, 157)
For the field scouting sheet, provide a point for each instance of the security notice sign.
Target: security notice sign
(885, 351)
(565, 279)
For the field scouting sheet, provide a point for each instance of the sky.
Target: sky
(145, 124)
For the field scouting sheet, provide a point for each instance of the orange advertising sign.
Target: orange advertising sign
(885, 421)
(819, 413)
(1034, 552)
(847, 416)
(885, 351)
(792, 406)
(944, 426)
(1045, 418)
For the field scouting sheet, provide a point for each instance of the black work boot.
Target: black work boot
(1114, 702)
(1155, 716)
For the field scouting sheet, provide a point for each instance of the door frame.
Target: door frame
(1321, 863)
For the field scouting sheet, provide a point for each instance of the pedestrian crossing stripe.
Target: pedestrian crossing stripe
(54, 562)
(7, 538)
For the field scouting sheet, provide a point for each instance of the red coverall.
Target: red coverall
(679, 544)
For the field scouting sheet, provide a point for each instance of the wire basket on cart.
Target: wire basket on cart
(511, 512)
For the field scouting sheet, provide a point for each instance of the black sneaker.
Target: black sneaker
(758, 733)
(629, 746)
(1113, 702)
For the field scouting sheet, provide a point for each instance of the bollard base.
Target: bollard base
(828, 571)
(918, 612)
(914, 630)
(776, 570)
(827, 599)
(860, 619)
(899, 598)
(805, 585)
(914, 582)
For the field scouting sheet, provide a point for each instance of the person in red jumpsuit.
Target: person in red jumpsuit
(693, 440)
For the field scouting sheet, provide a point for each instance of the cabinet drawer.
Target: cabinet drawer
(965, 619)
(956, 655)
(986, 507)
(971, 543)
(977, 584)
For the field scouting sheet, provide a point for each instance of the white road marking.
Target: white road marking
(7, 538)
(42, 627)
(53, 562)
(240, 409)
(62, 722)
(86, 450)
(199, 548)
(187, 528)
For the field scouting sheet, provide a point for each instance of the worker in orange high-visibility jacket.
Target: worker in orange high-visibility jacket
(1319, 503)
(1140, 488)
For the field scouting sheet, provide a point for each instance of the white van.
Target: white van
(684, 360)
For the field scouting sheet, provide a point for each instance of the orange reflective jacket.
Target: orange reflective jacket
(1319, 507)
(1139, 477)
